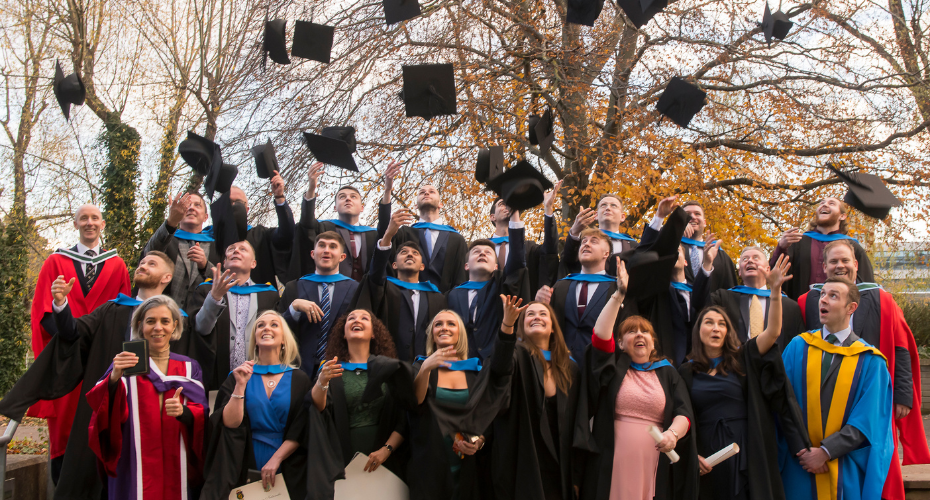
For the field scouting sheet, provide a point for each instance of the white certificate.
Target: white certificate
(254, 491)
(381, 484)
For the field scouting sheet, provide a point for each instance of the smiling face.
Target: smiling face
(348, 202)
(240, 258)
(269, 332)
(481, 260)
(610, 212)
(445, 330)
(157, 327)
(840, 261)
(638, 344)
(835, 306)
(697, 219)
(358, 326)
(537, 325)
(829, 212)
(713, 332)
(408, 259)
(752, 265)
(327, 254)
(89, 222)
(594, 249)
(196, 213)
(428, 198)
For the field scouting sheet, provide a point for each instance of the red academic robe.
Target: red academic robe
(112, 280)
(146, 453)
(910, 429)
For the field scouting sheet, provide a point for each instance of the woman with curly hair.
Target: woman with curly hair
(629, 388)
(357, 403)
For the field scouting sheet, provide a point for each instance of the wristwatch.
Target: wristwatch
(389, 447)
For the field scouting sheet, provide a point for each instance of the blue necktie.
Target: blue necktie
(429, 243)
(696, 258)
(324, 324)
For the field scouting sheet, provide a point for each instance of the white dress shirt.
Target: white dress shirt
(592, 287)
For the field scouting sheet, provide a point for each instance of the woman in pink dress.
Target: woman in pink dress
(629, 388)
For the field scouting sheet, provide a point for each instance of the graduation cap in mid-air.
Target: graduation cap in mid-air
(775, 25)
(521, 187)
(583, 12)
(265, 160)
(680, 101)
(230, 222)
(396, 11)
(490, 163)
(541, 131)
(274, 43)
(200, 153)
(333, 145)
(68, 90)
(641, 11)
(649, 273)
(429, 90)
(312, 41)
(867, 193)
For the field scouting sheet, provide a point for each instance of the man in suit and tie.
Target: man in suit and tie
(578, 298)
(477, 301)
(312, 303)
(226, 308)
(844, 390)
(443, 247)
(102, 276)
(360, 240)
(609, 216)
(748, 305)
(181, 237)
(404, 304)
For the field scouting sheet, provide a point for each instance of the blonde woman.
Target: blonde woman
(260, 420)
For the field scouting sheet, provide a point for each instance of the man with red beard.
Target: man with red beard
(101, 276)
(880, 322)
(805, 250)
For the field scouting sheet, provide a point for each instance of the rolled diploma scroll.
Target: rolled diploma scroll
(723, 454)
(657, 436)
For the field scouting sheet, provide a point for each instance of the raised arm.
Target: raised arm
(775, 277)
(604, 327)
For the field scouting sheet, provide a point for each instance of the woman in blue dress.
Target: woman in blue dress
(260, 420)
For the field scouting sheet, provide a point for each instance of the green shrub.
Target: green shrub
(917, 315)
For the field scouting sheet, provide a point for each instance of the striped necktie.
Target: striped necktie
(324, 324)
(90, 271)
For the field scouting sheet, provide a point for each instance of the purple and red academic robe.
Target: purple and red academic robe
(894, 333)
(112, 279)
(146, 453)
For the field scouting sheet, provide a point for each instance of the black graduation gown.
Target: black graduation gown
(737, 308)
(724, 275)
(307, 230)
(446, 267)
(602, 377)
(799, 254)
(214, 347)
(392, 305)
(516, 468)
(328, 444)
(767, 393)
(568, 263)
(230, 454)
(542, 261)
(428, 473)
(62, 366)
(273, 247)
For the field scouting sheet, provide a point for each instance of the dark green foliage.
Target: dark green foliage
(120, 178)
(15, 298)
(917, 314)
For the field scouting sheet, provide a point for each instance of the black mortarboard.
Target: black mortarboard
(219, 180)
(312, 41)
(681, 101)
(540, 131)
(649, 273)
(641, 11)
(429, 90)
(334, 145)
(265, 160)
(521, 187)
(68, 90)
(490, 163)
(867, 193)
(396, 11)
(275, 41)
(230, 222)
(584, 11)
(202, 154)
(775, 25)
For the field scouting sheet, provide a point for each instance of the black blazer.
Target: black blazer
(309, 333)
(577, 330)
(308, 229)
(569, 262)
